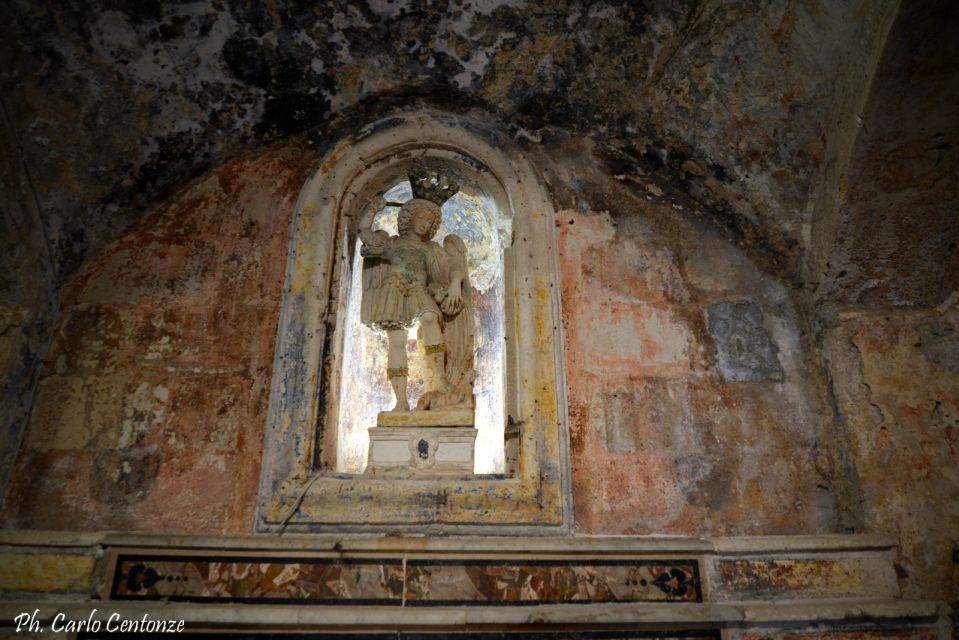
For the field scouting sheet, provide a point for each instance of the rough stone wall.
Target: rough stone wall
(28, 297)
(897, 243)
(149, 414)
(149, 92)
(890, 329)
(897, 385)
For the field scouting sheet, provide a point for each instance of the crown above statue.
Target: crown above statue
(432, 186)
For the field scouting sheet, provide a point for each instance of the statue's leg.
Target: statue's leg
(396, 367)
(435, 350)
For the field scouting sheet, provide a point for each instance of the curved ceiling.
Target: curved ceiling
(745, 107)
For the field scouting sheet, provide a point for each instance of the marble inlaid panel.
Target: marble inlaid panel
(804, 577)
(263, 580)
(46, 572)
(428, 582)
(499, 582)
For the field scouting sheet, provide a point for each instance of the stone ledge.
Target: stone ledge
(751, 545)
(812, 542)
(47, 538)
(435, 418)
(437, 572)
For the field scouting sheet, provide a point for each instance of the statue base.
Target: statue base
(422, 443)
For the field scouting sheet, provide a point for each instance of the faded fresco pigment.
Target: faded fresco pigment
(645, 379)
(757, 255)
(150, 408)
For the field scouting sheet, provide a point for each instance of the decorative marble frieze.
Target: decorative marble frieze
(261, 580)
(497, 582)
(390, 581)
(824, 587)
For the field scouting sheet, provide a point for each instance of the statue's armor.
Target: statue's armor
(402, 296)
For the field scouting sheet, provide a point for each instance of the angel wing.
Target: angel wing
(458, 330)
(375, 269)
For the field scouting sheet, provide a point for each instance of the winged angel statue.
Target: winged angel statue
(410, 277)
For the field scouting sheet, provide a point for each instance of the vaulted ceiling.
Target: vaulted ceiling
(801, 127)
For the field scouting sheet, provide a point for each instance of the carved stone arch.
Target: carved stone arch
(298, 495)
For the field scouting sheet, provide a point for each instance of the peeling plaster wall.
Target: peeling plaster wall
(688, 395)
(685, 378)
(694, 407)
(897, 384)
(149, 414)
(666, 437)
(887, 306)
(114, 106)
(733, 98)
(701, 154)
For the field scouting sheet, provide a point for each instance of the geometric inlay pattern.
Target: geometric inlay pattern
(498, 582)
(263, 580)
(391, 581)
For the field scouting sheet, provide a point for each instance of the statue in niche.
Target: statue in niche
(410, 277)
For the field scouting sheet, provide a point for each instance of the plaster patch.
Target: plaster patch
(630, 337)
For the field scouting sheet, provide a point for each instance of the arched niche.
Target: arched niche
(300, 487)
(356, 387)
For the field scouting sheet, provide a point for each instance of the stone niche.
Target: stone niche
(306, 483)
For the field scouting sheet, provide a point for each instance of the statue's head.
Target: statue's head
(419, 208)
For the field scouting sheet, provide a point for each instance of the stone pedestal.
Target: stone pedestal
(422, 443)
